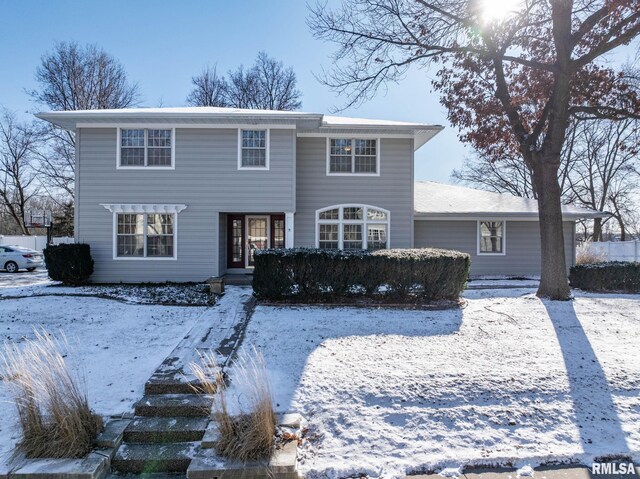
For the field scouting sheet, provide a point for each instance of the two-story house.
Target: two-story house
(184, 194)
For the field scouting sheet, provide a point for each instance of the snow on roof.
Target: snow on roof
(304, 122)
(433, 199)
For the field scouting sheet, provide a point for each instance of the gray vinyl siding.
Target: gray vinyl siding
(392, 190)
(522, 245)
(206, 179)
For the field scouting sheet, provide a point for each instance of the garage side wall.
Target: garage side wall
(522, 251)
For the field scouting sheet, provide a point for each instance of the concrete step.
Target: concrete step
(174, 405)
(169, 385)
(170, 457)
(165, 429)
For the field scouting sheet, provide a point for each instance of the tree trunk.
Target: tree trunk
(597, 229)
(553, 277)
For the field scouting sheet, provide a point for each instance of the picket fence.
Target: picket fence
(34, 242)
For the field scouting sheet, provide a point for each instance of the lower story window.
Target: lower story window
(352, 227)
(145, 235)
(491, 237)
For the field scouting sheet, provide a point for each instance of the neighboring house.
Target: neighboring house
(184, 194)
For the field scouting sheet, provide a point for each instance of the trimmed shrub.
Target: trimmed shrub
(69, 263)
(397, 274)
(610, 276)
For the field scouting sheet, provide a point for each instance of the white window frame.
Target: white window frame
(146, 129)
(504, 237)
(267, 145)
(145, 210)
(364, 222)
(353, 155)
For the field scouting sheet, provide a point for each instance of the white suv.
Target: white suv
(13, 258)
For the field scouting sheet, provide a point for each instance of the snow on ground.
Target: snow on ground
(116, 346)
(507, 380)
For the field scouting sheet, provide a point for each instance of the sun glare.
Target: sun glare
(497, 10)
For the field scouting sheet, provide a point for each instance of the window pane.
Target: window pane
(352, 237)
(278, 234)
(254, 138)
(159, 138)
(236, 241)
(130, 245)
(352, 213)
(159, 157)
(376, 236)
(365, 147)
(376, 215)
(491, 236)
(365, 164)
(254, 157)
(330, 214)
(130, 224)
(328, 236)
(159, 224)
(131, 156)
(340, 164)
(340, 147)
(132, 138)
(160, 245)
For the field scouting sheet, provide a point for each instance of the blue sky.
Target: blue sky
(163, 43)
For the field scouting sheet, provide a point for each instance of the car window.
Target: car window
(5, 250)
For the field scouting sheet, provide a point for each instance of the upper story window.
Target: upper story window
(253, 149)
(491, 237)
(145, 148)
(352, 227)
(353, 156)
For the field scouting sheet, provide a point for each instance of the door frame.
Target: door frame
(247, 248)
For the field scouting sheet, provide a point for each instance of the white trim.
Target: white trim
(288, 230)
(247, 246)
(146, 129)
(174, 125)
(146, 208)
(341, 222)
(504, 237)
(116, 209)
(267, 144)
(353, 154)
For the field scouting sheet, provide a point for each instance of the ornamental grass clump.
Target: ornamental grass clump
(246, 429)
(53, 408)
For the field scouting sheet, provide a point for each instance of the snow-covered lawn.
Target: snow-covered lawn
(116, 346)
(508, 379)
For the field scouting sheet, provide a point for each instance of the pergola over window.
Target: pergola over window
(352, 227)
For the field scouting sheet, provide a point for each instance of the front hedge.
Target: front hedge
(70, 263)
(609, 276)
(319, 275)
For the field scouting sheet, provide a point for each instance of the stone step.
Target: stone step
(165, 429)
(174, 405)
(170, 457)
(169, 385)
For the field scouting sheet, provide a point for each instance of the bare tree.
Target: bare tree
(18, 177)
(605, 159)
(209, 89)
(512, 80)
(73, 77)
(267, 85)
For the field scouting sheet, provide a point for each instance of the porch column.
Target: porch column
(288, 227)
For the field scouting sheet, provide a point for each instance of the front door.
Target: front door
(257, 236)
(235, 241)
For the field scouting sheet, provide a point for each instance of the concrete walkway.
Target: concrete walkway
(543, 472)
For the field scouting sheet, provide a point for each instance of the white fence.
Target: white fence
(617, 250)
(34, 242)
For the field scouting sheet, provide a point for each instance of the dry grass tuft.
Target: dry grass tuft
(585, 255)
(250, 434)
(53, 409)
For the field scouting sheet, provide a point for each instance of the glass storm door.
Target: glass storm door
(257, 235)
(235, 241)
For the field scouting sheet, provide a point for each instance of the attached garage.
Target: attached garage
(500, 231)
